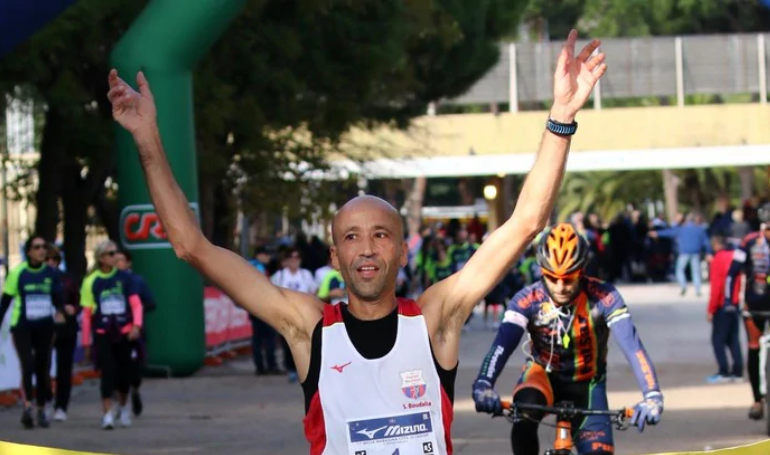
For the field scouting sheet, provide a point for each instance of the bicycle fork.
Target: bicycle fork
(562, 445)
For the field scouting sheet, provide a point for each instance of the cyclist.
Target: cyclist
(377, 374)
(567, 317)
(752, 257)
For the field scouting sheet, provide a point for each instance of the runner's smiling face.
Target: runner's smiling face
(369, 247)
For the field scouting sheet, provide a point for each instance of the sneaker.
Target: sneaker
(42, 419)
(136, 403)
(718, 379)
(27, 420)
(757, 411)
(293, 376)
(125, 417)
(737, 379)
(60, 415)
(108, 421)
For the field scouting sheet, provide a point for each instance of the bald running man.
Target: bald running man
(378, 374)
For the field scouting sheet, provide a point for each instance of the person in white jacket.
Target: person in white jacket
(293, 276)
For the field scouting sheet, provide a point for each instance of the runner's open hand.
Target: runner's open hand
(134, 111)
(575, 78)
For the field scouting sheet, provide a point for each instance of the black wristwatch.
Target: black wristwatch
(562, 129)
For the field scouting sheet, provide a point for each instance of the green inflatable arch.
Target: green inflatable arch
(166, 41)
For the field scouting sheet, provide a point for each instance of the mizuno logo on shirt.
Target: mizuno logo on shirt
(339, 368)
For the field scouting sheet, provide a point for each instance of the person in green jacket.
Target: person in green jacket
(332, 289)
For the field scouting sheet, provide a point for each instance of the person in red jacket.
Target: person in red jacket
(725, 317)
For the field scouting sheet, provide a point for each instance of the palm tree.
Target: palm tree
(607, 193)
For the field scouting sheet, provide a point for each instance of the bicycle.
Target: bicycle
(764, 361)
(565, 413)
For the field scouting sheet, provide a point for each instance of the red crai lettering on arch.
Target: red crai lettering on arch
(140, 227)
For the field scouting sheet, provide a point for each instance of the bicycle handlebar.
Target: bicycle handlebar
(625, 413)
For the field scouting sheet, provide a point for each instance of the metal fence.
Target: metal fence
(638, 67)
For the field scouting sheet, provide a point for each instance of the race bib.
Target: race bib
(406, 434)
(113, 305)
(39, 306)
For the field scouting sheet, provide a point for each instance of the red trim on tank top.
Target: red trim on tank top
(447, 412)
(408, 307)
(332, 314)
(315, 426)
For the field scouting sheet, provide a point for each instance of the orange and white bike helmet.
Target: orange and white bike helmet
(562, 251)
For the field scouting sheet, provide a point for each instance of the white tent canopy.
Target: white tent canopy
(629, 160)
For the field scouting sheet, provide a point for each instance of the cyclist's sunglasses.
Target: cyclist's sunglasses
(567, 279)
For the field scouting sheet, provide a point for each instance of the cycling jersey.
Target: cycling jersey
(752, 257)
(36, 294)
(571, 341)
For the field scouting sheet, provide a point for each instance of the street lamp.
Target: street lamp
(490, 192)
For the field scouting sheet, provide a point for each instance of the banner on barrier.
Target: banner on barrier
(225, 322)
(6, 448)
(10, 374)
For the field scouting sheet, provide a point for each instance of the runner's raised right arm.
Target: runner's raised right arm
(291, 313)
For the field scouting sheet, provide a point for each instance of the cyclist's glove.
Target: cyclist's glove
(648, 411)
(486, 399)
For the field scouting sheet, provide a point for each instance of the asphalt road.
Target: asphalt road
(226, 410)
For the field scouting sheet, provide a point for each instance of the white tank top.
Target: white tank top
(393, 405)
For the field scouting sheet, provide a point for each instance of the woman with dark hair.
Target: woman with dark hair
(35, 291)
(66, 335)
(112, 310)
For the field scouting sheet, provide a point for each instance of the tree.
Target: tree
(618, 18)
(63, 69)
(313, 73)
(607, 193)
(280, 88)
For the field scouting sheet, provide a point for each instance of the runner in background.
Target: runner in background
(332, 289)
(66, 335)
(460, 253)
(262, 335)
(124, 262)
(320, 274)
(112, 311)
(293, 277)
(35, 291)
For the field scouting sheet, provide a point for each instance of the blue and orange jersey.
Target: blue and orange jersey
(752, 258)
(571, 341)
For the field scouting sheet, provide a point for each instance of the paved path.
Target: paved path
(228, 411)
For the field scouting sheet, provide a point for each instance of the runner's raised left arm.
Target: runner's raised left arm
(574, 80)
